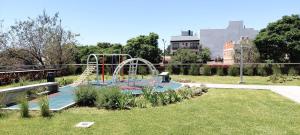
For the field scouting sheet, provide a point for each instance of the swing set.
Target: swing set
(94, 60)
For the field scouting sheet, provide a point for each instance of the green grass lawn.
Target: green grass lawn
(232, 79)
(220, 111)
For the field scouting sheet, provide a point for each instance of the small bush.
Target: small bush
(164, 98)
(64, 82)
(86, 95)
(141, 102)
(206, 70)
(113, 98)
(197, 91)
(249, 70)
(185, 92)
(24, 108)
(276, 69)
(220, 71)
(173, 96)
(126, 101)
(262, 70)
(44, 106)
(233, 70)
(194, 70)
(292, 72)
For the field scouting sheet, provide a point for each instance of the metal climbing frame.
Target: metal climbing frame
(133, 65)
(96, 62)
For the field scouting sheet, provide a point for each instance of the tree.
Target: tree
(250, 52)
(205, 55)
(185, 56)
(40, 40)
(279, 39)
(145, 47)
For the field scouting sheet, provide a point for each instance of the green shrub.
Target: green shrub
(24, 108)
(277, 78)
(141, 102)
(194, 70)
(64, 82)
(206, 70)
(44, 106)
(185, 92)
(126, 101)
(233, 70)
(86, 95)
(249, 70)
(170, 68)
(197, 91)
(262, 70)
(113, 98)
(147, 92)
(164, 98)
(173, 96)
(220, 71)
(292, 72)
(276, 69)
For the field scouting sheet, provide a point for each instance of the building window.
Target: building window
(175, 46)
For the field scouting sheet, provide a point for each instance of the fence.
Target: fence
(10, 74)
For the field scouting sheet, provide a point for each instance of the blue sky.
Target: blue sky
(118, 20)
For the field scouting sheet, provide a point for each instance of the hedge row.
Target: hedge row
(234, 70)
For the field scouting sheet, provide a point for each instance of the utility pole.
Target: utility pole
(243, 40)
(164, 41)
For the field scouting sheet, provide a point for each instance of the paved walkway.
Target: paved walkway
(291, 92)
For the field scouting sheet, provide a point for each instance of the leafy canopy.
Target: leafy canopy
(279, 39)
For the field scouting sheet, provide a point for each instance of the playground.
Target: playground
(64, 97)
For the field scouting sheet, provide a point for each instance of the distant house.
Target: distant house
(230, 49)
(187, 40)
(215, 39)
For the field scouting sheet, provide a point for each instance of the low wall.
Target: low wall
(12, 95)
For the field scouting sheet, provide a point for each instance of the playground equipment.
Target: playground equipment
(93, 64)
(133, 63)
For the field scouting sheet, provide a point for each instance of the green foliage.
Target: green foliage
(249, 70)
(185, 56)
(170, 68)
(164, 98)
(126, 101)
(113, 98)
(173, 96)
(276, 69)
(206, 70)
(279, 39)
(277, 78)
(24, 108)
(185, 92)
(44, 106)
(194, 70)
(262, 70)
(205, 55)
(292, 72)
(233, 70)
(220, 71)
(23, 81)
(144, 46)
(65, 81)
(142, 70)
(141, 102)
(86, 95)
